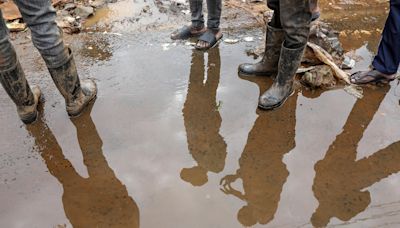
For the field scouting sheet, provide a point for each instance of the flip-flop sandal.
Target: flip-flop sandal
(359, 78)
(185, 33)
(208, 37)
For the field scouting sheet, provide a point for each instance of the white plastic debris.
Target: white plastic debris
(248, 39)
(348, 63)
(231, 41)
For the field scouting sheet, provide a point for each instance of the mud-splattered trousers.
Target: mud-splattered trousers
(40, 17)
(294, 17)
(214, 8)
(387, 60)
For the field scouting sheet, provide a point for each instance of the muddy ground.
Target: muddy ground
(175, 138)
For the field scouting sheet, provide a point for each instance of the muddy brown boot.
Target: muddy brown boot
(282, 87)
(25, 98)
(269, 63)
(78, 94)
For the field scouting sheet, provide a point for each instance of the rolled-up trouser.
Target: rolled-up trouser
(40, 17)
(214, 8)
(388, 58)
(294, 17)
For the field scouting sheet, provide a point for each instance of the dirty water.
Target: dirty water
(175, 139)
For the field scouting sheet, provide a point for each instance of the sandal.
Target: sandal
(210, 38)
(187, 32)
(372, 76)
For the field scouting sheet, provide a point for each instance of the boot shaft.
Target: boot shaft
(16, 85)
(66, 79)
(289, 62)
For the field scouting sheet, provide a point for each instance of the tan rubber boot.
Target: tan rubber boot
(77, 94)
(17, 87)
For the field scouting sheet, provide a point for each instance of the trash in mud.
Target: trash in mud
(231, 41)
(16, 26)
(248, 39)
(326, 58)
(348, 63)
(355, 91)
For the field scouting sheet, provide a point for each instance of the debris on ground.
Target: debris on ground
(231, 41)
(16, 26)
(70, 14)
(319, 77)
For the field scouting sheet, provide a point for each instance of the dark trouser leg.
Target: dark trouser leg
(295, 19)
(276, 20)
(388, 58)
(196, 9)
(214, 13)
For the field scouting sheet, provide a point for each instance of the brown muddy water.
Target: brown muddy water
(175, 140)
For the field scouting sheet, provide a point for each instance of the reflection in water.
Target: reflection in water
(261, 167)
(340, 179)
(202, 119)
(100, 200)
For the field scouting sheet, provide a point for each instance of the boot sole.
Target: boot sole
(29, 119)
(266, 74)
(276, 106)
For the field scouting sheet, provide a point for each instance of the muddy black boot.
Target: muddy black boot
(282, 87)
(25, 98)
(269, 63)
(78, 94)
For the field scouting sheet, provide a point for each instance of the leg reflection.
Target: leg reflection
(340, 180)
(100, 200)
(262, 170)
(202, 119)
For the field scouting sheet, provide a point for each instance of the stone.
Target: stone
(84, 11)
(98, 3)
(69, 6)
(319, 77)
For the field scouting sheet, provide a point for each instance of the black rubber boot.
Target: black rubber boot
(269, 63)
(282, 87)
(17, 87)
(78, 94)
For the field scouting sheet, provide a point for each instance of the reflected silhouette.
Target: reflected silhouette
(340, 180)
(262, 169)
(100, 200)
(202, 119)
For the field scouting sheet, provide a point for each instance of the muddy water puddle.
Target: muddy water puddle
(175, 140)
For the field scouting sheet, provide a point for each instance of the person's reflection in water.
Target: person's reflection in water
(262, 170)
(340, 180)
(100, 200)
(202, 119)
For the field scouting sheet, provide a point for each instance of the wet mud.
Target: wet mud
(175, 138)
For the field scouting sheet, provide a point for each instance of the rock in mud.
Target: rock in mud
(98, 3)
(84, 11)
(69, 6)
(319, 77)
(326, 37)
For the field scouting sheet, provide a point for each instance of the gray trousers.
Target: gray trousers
(214, 8)
(294, 17)
(46, 36)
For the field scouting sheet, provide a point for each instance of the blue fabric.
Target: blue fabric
(387, 60)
